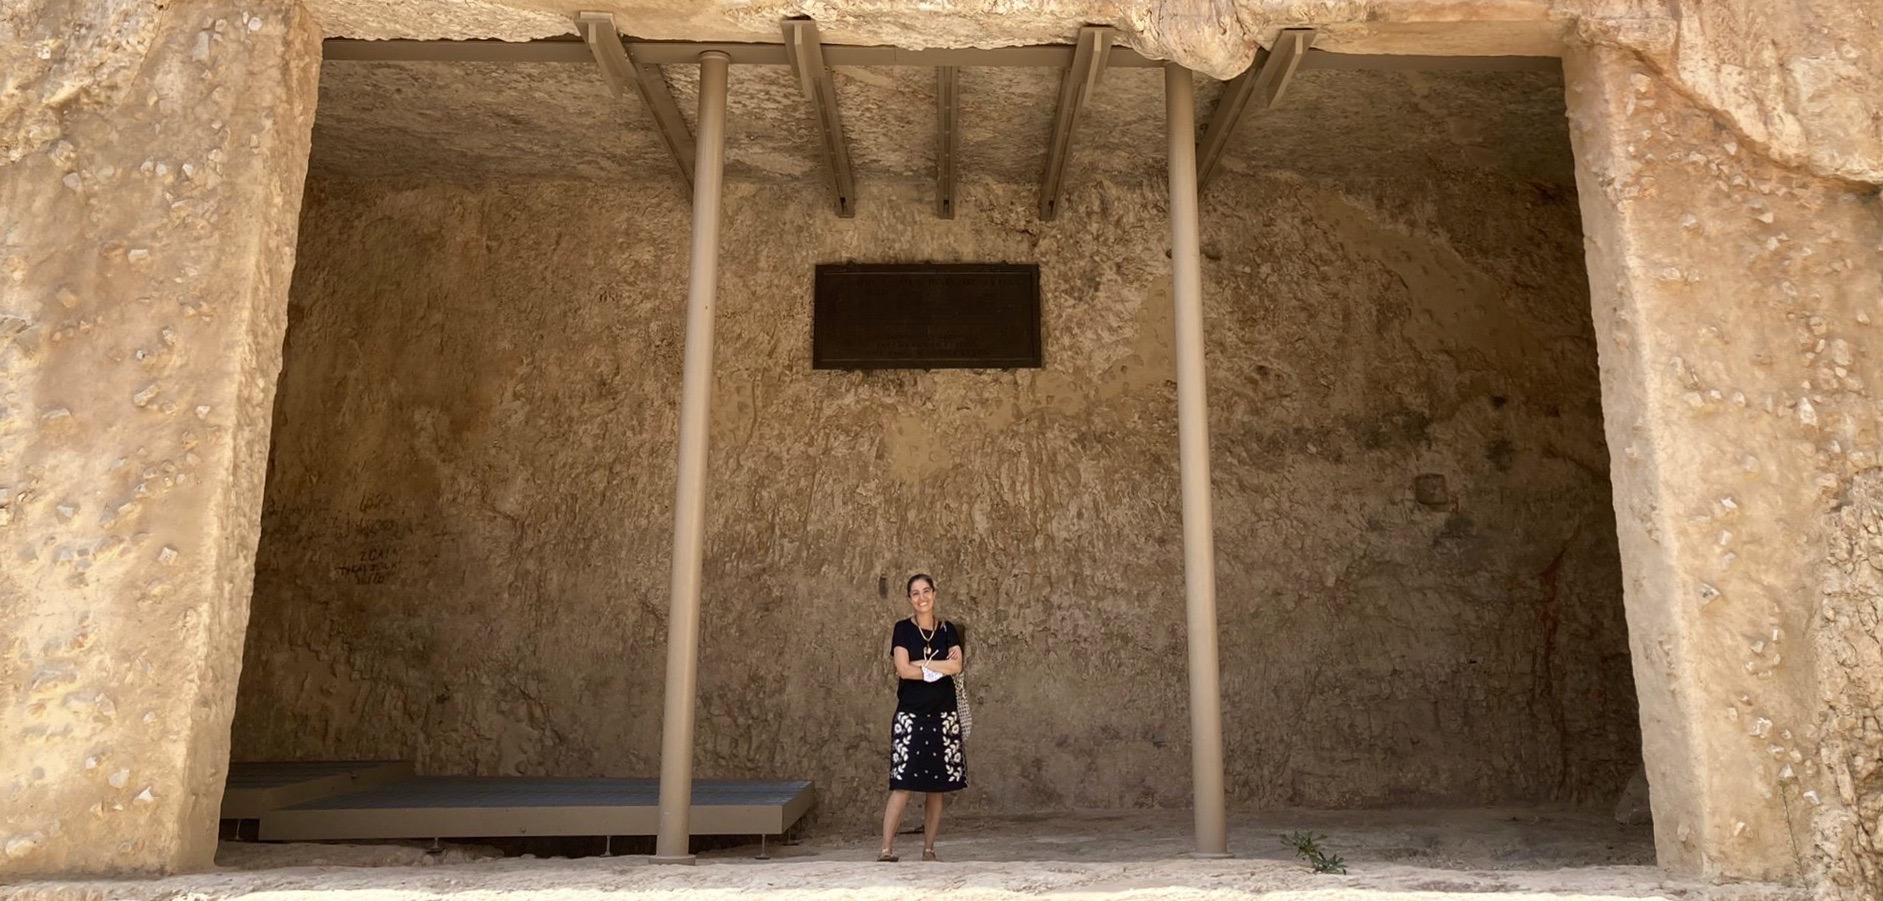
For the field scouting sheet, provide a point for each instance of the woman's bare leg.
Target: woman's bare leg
(931, 819)
(892, 818)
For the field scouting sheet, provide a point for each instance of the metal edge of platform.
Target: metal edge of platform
(319, 824)
(799, 805)
(455, 822)
(252, 803)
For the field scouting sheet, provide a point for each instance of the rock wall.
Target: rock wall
(1849, 655)
(468, 522)
(1797, 81)
(1740, 105)
(150, 175)
(1736, 302)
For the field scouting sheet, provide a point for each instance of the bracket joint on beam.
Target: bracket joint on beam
(947, 139)
(806, 56)
(1260, 87)
(622, 72)
(1089, 57)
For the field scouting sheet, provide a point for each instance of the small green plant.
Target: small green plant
(1308, 848)
(1787, 786)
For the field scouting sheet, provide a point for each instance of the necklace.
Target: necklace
(927, 637)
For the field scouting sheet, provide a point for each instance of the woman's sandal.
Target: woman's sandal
(886, 857)
(929, 854)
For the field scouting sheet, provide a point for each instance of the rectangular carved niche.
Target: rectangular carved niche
(926, 316)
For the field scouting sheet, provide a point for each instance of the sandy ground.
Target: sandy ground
(1426, 855)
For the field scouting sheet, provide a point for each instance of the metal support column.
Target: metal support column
(672, 845)
(1199, 543)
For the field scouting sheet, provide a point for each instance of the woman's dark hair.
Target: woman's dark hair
(918, 577)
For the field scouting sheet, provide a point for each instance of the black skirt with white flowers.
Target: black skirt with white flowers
(925, 753)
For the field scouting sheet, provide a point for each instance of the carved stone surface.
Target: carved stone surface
(150, 169)
(147, 232)
(1736, 306)
(465, 553)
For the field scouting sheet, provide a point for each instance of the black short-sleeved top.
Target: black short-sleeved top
(915, 695)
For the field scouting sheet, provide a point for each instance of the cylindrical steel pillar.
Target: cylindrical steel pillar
(1193, 429)
(689, 503)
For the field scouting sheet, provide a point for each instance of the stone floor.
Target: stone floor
(1531, 854)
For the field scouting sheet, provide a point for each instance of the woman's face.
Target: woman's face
(922, 596)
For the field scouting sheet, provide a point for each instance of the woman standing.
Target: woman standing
(925, 742)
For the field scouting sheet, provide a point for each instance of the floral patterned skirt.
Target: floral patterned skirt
(925, 753)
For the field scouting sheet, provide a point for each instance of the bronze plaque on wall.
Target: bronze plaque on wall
(926, 316)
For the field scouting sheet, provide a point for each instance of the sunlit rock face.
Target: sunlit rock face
(147, 231)
(151, 173)
(1797, 82)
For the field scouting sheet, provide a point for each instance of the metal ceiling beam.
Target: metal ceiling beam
(806, 54)
(674, 53)
(947, 139)
(1078, 82)
(1258, 87)
(1402, 62)
(622, 71)
(556, 50)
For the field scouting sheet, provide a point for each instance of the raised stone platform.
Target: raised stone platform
(478, 807)
(255, 788)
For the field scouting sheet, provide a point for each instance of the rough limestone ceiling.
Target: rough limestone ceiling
(477, 123)
(1216, 37)
(1797, 81)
